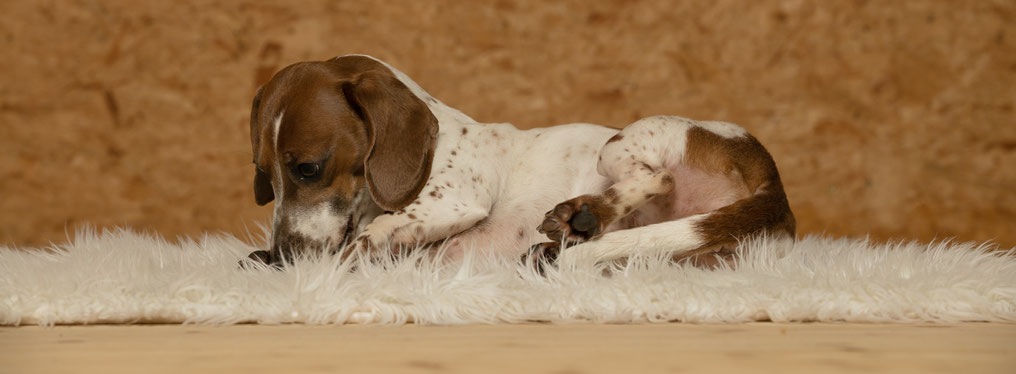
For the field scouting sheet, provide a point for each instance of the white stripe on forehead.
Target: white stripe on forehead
(277, 209)
(275, 136)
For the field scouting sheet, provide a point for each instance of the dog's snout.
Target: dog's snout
(313, 229)
(286, 246)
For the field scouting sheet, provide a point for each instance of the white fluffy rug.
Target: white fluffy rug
(125, 277)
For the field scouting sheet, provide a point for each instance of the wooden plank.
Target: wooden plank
(532, 348)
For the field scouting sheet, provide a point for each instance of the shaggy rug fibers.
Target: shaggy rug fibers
(126, 277)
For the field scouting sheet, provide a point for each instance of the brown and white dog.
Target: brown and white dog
(353, 148)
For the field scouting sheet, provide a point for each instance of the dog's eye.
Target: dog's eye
(308, 170)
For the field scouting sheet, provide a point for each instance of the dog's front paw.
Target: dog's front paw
(575, 220)
(542, 255)
(376, 235)
(367, 244)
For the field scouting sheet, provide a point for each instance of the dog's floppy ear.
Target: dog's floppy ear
(401, 133)
(263, 193)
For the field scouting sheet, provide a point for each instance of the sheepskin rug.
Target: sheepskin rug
(122, 276)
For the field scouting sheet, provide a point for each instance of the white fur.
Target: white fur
(445, 114)
(318, 223)
(492, 183)
(281, 187)
(504, 179)
(126, 277)
(724, 129)
(664, 238)
(276, 126)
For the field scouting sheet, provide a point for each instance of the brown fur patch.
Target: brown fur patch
(403, 133)
(710, 256)
(353, 118)
(611, 195)
(668, 180)
(747, 163)
(315, 97)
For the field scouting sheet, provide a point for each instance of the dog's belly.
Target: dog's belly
(556, 164)
(512, 226)
(695, 192)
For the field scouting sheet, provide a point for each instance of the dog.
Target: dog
(354, 151)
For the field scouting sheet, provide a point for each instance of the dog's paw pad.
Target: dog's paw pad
(574, 221)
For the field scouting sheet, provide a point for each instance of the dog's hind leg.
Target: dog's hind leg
(697, 238)
(634, 160)
(720, 185)
(588, 216)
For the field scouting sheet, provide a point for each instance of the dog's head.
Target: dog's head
(336, 143)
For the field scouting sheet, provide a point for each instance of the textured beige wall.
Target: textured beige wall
(893, 118)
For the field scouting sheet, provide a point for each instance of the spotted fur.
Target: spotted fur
(662, 184)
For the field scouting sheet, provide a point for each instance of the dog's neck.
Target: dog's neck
(446, 115)
(494, 145)
(454, 125)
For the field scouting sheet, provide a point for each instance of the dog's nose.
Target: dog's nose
(286, 247)
(280, 253)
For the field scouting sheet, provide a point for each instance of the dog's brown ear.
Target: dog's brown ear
(402, 133)
(263, 193)
(255, 137)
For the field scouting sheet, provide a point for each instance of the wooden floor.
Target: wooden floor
(584, 348)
